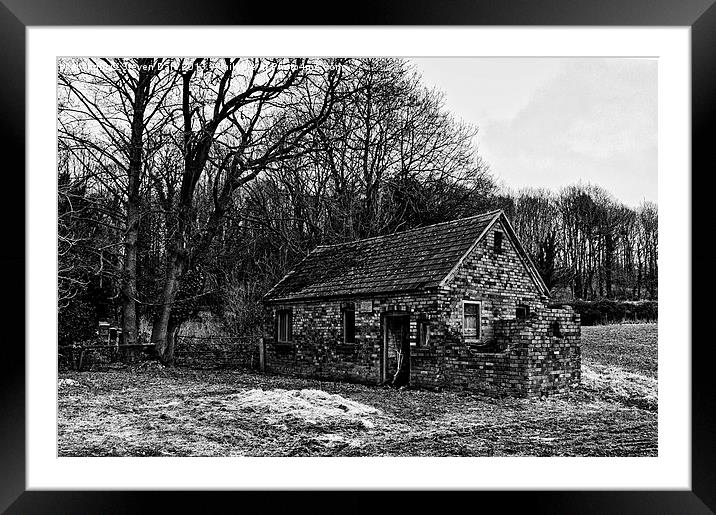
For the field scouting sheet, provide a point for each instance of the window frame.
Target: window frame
(527, 311)
(280, 313)
(345, 321)
(478, 325)
(423, 322)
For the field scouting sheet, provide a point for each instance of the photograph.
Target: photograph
(357, 256)
(273, 253)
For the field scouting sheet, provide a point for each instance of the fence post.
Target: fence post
(262, 355)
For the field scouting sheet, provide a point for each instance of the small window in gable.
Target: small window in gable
(471, 319)
(349, 326)
(498, 242)
(285, 325)
(522, 312)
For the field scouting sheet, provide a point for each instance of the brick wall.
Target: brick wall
(318, 349)
(537, 356)
(555, 351)
(448, 366)
(511, 356)
(499, 281)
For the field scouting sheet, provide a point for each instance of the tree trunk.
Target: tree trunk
(578, 289)
(609, 264)
(164, 325)
(129, 277)
(167, 356)
(194, 160)
(165, 348)
(130, 322)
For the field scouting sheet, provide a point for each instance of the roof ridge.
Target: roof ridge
(485, 214)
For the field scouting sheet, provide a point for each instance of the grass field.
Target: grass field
(152, 411)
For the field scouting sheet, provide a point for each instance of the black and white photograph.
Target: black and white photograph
(357, 257)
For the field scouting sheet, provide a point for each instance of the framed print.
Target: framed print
(416, 251)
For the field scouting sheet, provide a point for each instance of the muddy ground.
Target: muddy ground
(148, 410)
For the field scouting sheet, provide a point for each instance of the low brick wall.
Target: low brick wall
(555, 352)
(351, 363)
(537, 356)
(462, 367)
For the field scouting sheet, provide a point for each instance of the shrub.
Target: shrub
(611, 311)
(76, 322)
(243, 311)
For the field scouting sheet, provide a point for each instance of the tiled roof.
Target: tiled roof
(405, 261)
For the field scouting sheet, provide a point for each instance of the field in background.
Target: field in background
(632, 347)
(147, 410)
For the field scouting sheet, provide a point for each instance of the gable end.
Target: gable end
(524, 258)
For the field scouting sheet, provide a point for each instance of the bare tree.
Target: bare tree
(112, 108)
(242, 117)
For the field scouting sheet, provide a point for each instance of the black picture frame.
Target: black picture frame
(17, 15)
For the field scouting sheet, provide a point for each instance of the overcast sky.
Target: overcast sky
(549, 122)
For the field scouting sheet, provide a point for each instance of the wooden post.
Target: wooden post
(384, 352)
(103, 332)
(262, 355)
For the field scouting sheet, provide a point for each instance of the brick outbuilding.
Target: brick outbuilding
(456, 304)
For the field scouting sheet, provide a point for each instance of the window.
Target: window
(471, 319)
(423, 333)
(522, 311)
(285, 326)
(349, 326)
(498, 242)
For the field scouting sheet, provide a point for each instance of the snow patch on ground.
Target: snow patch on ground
(615, 382)
(313, 406)
(69, 383)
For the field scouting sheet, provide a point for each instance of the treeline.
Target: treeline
(187, 184)
(586, 244)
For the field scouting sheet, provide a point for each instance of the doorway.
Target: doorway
(396, 349)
